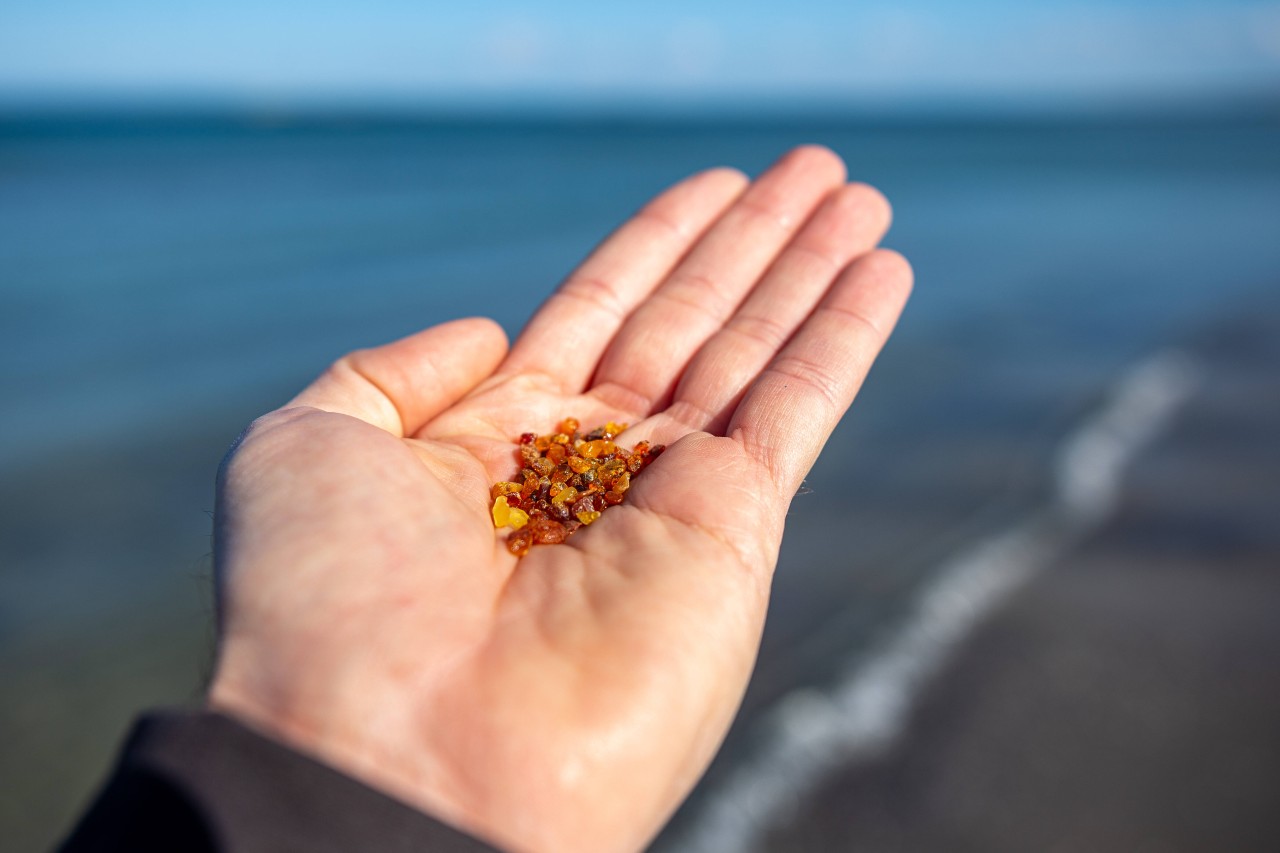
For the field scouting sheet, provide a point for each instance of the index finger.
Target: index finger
(567, 335)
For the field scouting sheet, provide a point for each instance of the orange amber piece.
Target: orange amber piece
(597, 448)
(566, 495)
(568, 425)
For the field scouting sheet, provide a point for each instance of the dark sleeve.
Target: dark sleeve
(204, 783)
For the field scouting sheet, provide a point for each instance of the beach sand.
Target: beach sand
(1127, 697)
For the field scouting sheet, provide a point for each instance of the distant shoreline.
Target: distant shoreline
(22, 113)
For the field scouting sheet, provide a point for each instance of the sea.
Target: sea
(165, 277)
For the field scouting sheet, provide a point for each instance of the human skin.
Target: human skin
(371, 616)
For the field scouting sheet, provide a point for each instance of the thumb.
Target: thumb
(400, 386)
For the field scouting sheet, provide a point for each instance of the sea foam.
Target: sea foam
(812, 731)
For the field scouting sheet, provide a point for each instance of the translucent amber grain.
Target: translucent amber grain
(565, 481)
(505, 515)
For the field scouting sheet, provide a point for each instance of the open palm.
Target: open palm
(371, 615)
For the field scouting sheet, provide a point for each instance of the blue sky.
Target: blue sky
(577, 51)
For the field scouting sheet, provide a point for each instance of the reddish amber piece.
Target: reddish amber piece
(547, 531)
(520, 541)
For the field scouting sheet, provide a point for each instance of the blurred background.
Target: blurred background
(1030, 597)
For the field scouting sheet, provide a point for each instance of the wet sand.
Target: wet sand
(1127, 698)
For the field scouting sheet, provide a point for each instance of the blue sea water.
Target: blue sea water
(157, 267)
(164, 280)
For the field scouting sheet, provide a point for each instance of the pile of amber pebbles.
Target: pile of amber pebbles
(566, 481)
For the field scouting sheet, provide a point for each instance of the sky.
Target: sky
(270, 51)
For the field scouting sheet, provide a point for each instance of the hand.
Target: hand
(371, 615)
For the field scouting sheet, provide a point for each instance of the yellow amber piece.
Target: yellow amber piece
(505, 515)
(587, 516)
(501, 511)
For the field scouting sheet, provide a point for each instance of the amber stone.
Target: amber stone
(503, 488)
(547, 531)
(520, 541)
(566, 495)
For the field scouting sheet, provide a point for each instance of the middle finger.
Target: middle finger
(646, 357)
